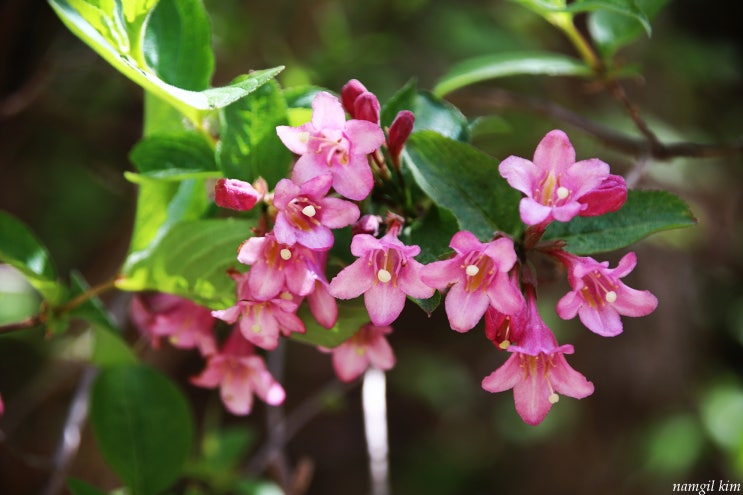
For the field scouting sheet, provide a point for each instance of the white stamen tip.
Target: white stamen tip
(303, 137)
(471, 270)
(554, 398)
(285, 254)
(562, 192)
(256, 328)
(309, 210)
(384, 276)
(610, 296)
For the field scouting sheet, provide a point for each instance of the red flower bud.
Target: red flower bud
(366, 107)
(609, 196)
(351, 90)
(399, 132)
(235, 194)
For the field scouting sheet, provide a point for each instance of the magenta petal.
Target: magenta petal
(504, 296)
(294, 138)
(229, 315)
(237, 398)
(348, 363)
(365, 137)
(338, 213)
(465, 309)
(264, 282)
(384, 303)
(212, 375)
(531, 397)
(265, 386)
(355, 181)
(353, 280)
(323, 306)
(566, 212)
(465, 241)
(520, 173)
(308, 166)
(587, 175)
(409, 280)
(567, 381)
(604, 321)
(320, 237)
(632, 302)
(532, 212)
(625, 265)
(380, 354)
(251, 250)
(327, 112)
(505, 377)
(361, 244)
(568, 305)
(554, 151)
(440, 274)
(283, 231)
(289, 322)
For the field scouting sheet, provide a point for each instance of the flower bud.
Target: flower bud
(351, 90)
(235, 194)
(366, 107)
(609, 196)
(399, 132)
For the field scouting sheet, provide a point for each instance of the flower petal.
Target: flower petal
(465, 309)
(554, 151)
(384, 303)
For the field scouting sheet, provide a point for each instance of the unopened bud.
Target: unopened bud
(351, 90)
(399, 132)
(366, 107)
(235, 194)
(609, 196)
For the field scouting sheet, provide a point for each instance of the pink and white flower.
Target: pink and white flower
(368, 347)
(537, 370)
(330, 144)
(478, 277)
(184, 323)
(239, 373)
(554, 183)
(385, 272)
(306, 215)
(599, 297)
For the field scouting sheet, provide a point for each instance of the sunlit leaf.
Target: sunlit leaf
(644, 213)
(184, 151)
(499, 65)
(611, 30)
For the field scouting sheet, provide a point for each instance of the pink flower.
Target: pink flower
(554, 183)
(239, 373)
(368, 347)
(322, 305)
(238, 195)
(262, 322)
(330, 144)
(306, 215)
(599, 297)
(385, 272)
(537, 370)
(277, 267)
(183, 322)
(478, 275)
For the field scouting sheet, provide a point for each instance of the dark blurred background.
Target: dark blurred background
(668, 406)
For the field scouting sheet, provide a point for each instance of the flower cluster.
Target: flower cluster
(342, 153)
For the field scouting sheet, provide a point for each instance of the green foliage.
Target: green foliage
(351, 316)
(479, 198)
(143, 425)
(249, 146)
(174, 156)
(79, 487)
(506, 64)
(20, 248)
(627, 8)
(611, 30)
(644, 213)
(191, 260)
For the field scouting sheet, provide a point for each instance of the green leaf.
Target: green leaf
(627, 8)
(79, 487)
(192, 104)
(433, 233)
(612, 30)
(190, 260)
(462, 179)
(162, 155)
(431, 113)
(20, 249)
(143, 425)
(351, 316)
(136, 9)
(104, 16)
(644, 213)
(177, 43)
(498, 65)
(249, 146)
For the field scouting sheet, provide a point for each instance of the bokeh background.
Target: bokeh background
(668, 406)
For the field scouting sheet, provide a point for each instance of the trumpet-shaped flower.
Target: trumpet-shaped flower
(305, 215)
(239, 373)
(368, 347)
(262, 322)
(537, 370)
(385, 272)
(184, 323)
(553, 182)
(478, 276)
(330, 144)
(599, 297)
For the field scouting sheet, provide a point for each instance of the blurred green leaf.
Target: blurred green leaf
(465, 181)
(498, 65)
(79, 487)
(177, 43)
(628, 8)
(20, 248)
(673, 446)
(162, 155)
(249, 146)
(143, 426)
(721, 412)
(431, 113)
(644, 213)
(611, 30)
(351, 316)
(191, 260)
